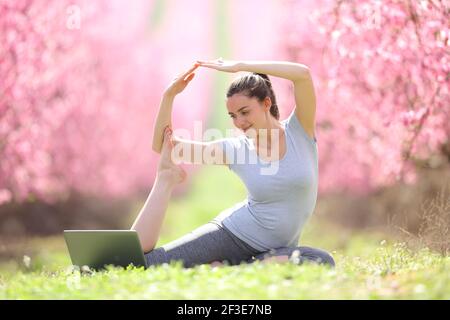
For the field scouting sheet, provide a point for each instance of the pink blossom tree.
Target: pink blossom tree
(80, 84)
(381, 70)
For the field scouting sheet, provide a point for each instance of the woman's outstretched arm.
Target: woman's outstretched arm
(163, 120)
(299, 74)
(164, 117)
(305, 98)
(282, 69)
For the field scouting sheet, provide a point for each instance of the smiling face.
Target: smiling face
(248, 112)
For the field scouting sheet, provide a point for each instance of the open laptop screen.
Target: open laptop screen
(98, 248)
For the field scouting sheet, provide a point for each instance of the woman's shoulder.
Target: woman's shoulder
(293, 125)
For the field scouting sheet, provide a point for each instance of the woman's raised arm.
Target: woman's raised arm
(299, 74)
(282, 69)
(164, 117)
(163, 120)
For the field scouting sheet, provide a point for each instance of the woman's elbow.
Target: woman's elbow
(156, 148)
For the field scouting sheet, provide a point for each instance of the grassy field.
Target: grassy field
(370, 265)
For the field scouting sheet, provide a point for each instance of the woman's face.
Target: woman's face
(247, 112)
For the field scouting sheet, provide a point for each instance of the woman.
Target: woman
(267, 225)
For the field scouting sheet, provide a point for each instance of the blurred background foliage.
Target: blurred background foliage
(122, 57)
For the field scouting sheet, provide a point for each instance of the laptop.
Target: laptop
(99, 248)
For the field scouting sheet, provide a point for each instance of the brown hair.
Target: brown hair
(255, 85)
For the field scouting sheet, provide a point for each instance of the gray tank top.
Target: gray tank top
(278, 204)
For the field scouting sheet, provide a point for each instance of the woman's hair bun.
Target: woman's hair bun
(264, 76)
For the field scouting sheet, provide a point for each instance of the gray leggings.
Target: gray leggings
(213, 242)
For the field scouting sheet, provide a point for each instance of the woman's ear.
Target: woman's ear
(267, 103)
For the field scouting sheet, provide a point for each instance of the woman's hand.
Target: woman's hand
(181, 81)
(221, 65)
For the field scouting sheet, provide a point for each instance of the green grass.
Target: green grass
(370, 265)
(379, 272)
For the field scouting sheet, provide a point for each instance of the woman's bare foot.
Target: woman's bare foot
(216, 264)
(168, 170)
(276, 259)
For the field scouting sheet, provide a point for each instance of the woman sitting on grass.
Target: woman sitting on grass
(282, 188)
